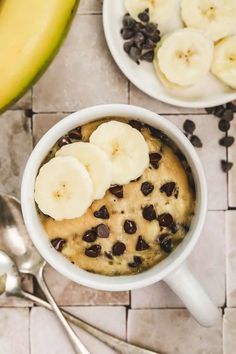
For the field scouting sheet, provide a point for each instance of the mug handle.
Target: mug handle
(187, 287)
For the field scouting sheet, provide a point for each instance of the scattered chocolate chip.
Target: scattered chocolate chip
(117, 191)
(166, 243)
(130, 227)
(65, 140)
(148, 56)
(168, 188)
(147, 188)
(58, 243)
(127, 46)
(136, 124)
(137, 262)
(118, 248)
(102, 213)
(108, 255)
(226, 166)
(231, 106)
(165, 220)
(93, 251)
(103, 231)
(210, 110)
(139, 39)
(144, 16)
(141, 245)
(195, 140)
(90, 235)
(228, 115)
(149, 213)
(75, 134)
(127, 33)
(149, 44)
(128, 21)
(223, 125)
(155, 158)
(189, 126)
(135, 54)
(219, 111)
(226, 141)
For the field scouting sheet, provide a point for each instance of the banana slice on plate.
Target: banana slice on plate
(126, 149)
(184, 57)
(63, 188)
(96, 162)
(159, 10)
(224, 62)
(216, 18)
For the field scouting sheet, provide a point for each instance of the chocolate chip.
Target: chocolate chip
(195, 140)
(144, 16)
(231, 106)
(149, 44)
(135, 54)
(136, 124)
(155, 158)
(228, 115)
(58, 243)
(189, 126)
(210, 110)
(93, 251)
(128, 21)
(108, 255)
(130, 227)
(139, 40)
(127, 33)
(90, 235)
(118, 248)
(127, 46)
(223, 125)
(148, 56)
(137, 262)
(165, 220)
(103, 231)
(147, 188)
(166, 243)
(102, 213)
(226, 166)
(149, 213)
(219, 111)
(75, 134)
(65, 140)
(168, 188)
(141, 244)
(117, 191)
(174, 228)
(226, 141)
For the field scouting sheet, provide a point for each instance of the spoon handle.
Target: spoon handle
(75, 340)
(118, 345)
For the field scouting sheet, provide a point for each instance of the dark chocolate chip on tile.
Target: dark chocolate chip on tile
(226, 166)
(227, 141)
(189, 126)
(196, 141)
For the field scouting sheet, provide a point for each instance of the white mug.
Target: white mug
(173, 270)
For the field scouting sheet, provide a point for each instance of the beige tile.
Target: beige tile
(229, 331)
(68, 293)
(83, 73)
(50, 338)
(231, 257)
(42, 122)
(232, 172)
(14, 331)
(210, 155)
(139, 98)
(15, 147)
(207, 262)
(25, 102)
(14, 301)
(173, 331)
(88, 6)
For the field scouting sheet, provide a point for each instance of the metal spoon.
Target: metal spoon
(15, 240)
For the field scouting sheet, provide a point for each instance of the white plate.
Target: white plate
(206, 93)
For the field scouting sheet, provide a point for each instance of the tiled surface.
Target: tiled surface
(50, 338)
(84, 74)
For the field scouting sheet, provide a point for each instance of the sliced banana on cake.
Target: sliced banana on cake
(96, 162)
(63, 188)
(216, 18)
(126, 149)
(224, 62)
(159, 10)
(184, 57)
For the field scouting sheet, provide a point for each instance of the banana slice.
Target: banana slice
(125, 147)
(216, 18)
(224, 62)
(63, 188)
(159, 10)
(96, 162)
(185, 56)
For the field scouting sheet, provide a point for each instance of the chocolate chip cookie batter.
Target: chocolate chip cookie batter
(136, 225)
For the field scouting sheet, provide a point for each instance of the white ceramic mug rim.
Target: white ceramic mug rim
(38, 235)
